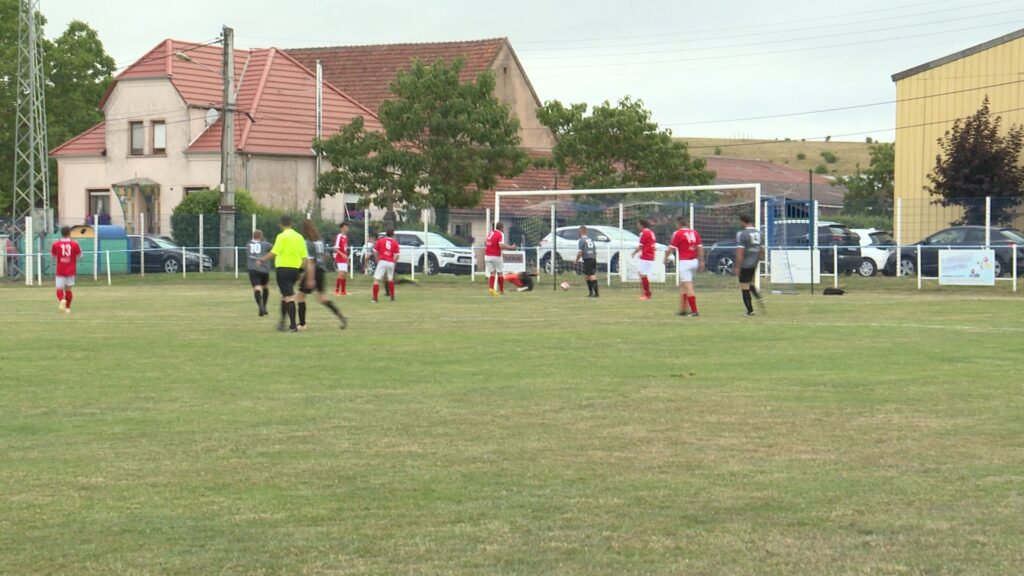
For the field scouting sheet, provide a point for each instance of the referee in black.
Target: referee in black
(587, 251)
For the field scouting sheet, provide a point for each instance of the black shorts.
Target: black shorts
(259, 278)
(319, 281)
(589, 266)
(286, 278)
(747, 275)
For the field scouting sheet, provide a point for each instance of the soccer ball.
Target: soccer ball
(564, 285)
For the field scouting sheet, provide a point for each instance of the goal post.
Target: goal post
(543, 223)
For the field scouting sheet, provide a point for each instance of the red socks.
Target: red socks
(646, 284)
(337, 285)
(60, 294)
(490, 281)
(343, 283)
(391, 288)
(376, 290)
(501, 284)
(693, 303)
(67, 296)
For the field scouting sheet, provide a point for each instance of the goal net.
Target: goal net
(544, 225)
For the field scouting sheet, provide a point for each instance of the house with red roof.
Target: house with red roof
(366, 73)
(160, 138)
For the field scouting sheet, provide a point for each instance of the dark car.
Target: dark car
(163, 255)
(1002, 241)
(792, 234)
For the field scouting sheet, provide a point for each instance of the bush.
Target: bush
(865, 220)
(718, 151)
(801, 156)
(829, 157)
(821, 169)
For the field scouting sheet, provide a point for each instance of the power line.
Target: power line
(785, 51)
(781, 41)
(843, 108)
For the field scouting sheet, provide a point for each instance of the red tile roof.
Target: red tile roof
(366, 72)
(280, 95)
(92, 142)
(272, 88)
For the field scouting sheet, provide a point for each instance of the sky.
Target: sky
(704, 69)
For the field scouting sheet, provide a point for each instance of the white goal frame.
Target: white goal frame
(755, 186)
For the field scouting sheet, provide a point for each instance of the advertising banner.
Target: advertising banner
(967, 267)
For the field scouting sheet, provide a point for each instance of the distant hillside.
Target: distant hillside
(847, 154)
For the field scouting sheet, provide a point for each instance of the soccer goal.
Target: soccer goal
(545, 226)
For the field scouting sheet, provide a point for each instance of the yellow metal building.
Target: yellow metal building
(930, 98)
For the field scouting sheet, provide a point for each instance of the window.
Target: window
(571, 234)
(948, 237)
(191, 189)
(99, 201)
(882, 239)
(137, 135)
(462, 229)
(975, 237)
(159, 137)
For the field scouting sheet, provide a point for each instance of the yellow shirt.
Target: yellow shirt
(289, 249)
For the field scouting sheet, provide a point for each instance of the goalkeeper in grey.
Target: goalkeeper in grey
(587, 251)
(259, 270)
(748, 256)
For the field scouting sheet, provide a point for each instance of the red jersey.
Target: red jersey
(341, 248)
(494, 241)
(513, 278)
(386, 249)
(647, 244)
(65, 252)
(686, 241)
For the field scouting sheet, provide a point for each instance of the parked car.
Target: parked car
(793, 234)
(1002, 240)
(875, 247)
(432, 250)
(163, 255)
(609, 240)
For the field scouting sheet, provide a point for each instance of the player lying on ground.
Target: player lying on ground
(523, 281)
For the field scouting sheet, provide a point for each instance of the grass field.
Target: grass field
(164, 429)
(848, 154)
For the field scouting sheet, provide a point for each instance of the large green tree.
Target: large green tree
(78, 71)
(977, 160)
(870, 191)
(444, 142)
(618, 146)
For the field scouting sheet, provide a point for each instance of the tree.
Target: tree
(977, 161)
(78, 71)
(618, 147)
(870, 191)
(444, 143)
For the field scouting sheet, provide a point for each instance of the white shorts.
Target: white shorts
(65, 282)
(687, 268)
(645, 267)
(341, 266)
(494, 264)
(384, 270)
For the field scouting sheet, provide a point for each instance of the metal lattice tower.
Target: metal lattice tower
(31, 188)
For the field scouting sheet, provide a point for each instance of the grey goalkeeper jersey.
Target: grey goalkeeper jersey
(317, 252)
(255, 250)
(587, 246)
(750, 240)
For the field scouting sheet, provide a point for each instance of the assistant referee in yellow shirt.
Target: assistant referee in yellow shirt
(290, 257)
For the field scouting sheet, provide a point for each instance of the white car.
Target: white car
(610, 241)
(875, 247)
(432, 250)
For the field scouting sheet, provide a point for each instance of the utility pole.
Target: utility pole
(319, 135)
(31, 186)
(227, 155)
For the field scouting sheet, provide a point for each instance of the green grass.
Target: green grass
(164, 429)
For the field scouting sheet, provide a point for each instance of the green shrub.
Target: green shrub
(829, 156)
(821, 169)
(854, 220)
(718, 151)
(801, 156)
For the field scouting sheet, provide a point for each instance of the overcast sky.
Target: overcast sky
(693, 63)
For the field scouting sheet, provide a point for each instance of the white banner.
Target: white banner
(967, 267)
(513, 261)
(794, 266)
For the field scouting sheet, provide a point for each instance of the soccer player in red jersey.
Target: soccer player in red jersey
(492, 257)
(386, 250)
(66, 253)
(523, 281)
(689, 249)
(646, 249)
(341, 259)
